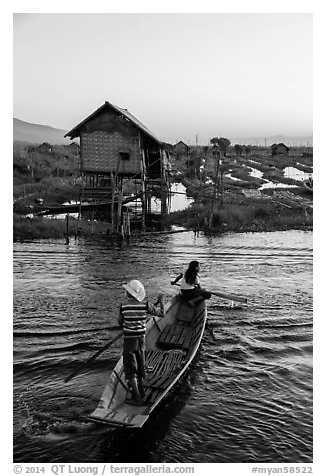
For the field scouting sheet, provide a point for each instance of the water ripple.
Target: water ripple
(248, 396)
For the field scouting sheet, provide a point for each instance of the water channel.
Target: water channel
(247, 397)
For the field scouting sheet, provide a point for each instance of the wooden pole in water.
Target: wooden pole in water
(81, 198)
(144, 203)
(221, 186)
(112, 200)
(127, 226)
(163, 191)
(92, 226)
(143, 190)
(217, 164)
(119, 206)
(67, 229)
(148, 199)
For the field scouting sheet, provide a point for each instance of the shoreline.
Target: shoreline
(34, 236)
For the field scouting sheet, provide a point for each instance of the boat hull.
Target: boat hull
(172, 342)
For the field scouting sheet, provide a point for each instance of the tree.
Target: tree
(238, 149)
(248, 150)
(222, 142)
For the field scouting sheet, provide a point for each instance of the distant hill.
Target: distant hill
(289, 141)
(37, 134)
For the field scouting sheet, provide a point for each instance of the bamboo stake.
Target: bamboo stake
(67, 229)
(112, 200)
(119, 207)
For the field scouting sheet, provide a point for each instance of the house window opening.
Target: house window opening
(124, 155)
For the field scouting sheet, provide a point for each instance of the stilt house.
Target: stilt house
(116, 147)
(181, 148)
(280, 149)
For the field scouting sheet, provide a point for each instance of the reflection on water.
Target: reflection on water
(179, 199)
(276, 185)
(296, 174)
(248, 396)
(232, 178)
(256, 173)
(289, 172)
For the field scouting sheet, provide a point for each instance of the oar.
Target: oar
(231, 297)
(93, 357)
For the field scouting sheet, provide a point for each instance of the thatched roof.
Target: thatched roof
(75, 132)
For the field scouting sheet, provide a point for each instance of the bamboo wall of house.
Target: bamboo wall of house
(110, 144)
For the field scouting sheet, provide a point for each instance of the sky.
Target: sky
(187, 76)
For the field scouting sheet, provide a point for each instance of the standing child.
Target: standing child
(190, 284)
(133, 318)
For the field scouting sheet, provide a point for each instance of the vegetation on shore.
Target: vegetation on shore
(51, 174)
(240, 206)
(258, 216)
(40, 227)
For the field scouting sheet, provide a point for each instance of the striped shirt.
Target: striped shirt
(133, 317)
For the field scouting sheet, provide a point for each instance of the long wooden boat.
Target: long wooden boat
(171, 344)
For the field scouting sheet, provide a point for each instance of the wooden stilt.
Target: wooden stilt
(143, 190)
(67, 229)
(112, 200)
(120, 194)
(92, 226)
(148, 203)
(127, 223)
(163, 192)
(214, 197)
(144, 203)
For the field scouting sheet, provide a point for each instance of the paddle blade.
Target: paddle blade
(93, 357)
(230, 297)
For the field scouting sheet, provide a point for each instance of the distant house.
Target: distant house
(280, 149)
(181, 148)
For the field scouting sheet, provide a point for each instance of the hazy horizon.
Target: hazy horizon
(183, 75)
